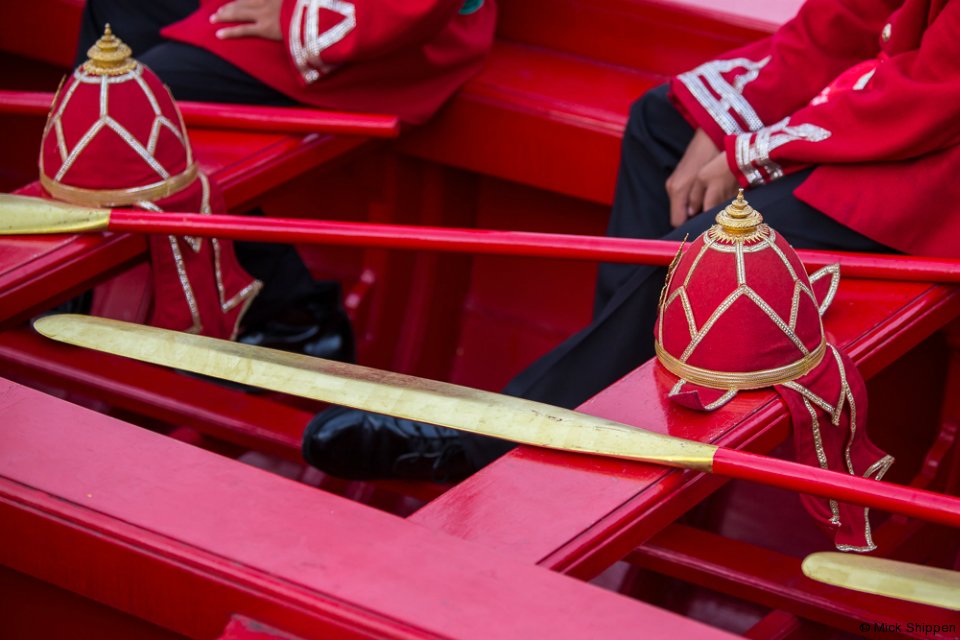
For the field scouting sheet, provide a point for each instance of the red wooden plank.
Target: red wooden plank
(760, 13)
(57, 20)
(246, 165)
(184, 539)
(579, 515)
(237, 117)
(27, 605)
(35, 271)
(556, 129)
(780, 625)
(243, 628)
(661, 36)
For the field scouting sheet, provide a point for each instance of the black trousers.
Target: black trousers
(620, 337)
(192, 73)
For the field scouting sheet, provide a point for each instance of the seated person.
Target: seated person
(381, 56)
(378, 56)
(844, 126)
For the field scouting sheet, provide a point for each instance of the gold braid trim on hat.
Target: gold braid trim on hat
(740, 379)
(119, 197)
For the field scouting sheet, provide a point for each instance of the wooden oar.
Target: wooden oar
(476, 411)
(242, 117)
(901, 580)
(20, 215)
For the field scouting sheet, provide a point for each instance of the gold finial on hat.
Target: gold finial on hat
(109, 56)
(739, 219)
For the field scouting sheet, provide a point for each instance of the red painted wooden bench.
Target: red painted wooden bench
(549, 107)
(562, 99)
(181, 539)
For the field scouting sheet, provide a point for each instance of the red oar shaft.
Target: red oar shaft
(513, 243)
(395, 236)
(893, 498)
(243, 117)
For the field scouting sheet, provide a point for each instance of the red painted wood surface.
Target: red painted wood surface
(578, 515)
(774, 580)
(566, 140)
(57, 20)
(35, 272)
(184, 539)
(243, 628)
(665, 36)
(33, 609)
(256, 422)
(239, 117)
(537, 116)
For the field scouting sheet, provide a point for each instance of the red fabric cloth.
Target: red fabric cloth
(198, 285)
(404, 57)
(892, 133)
(835, 437)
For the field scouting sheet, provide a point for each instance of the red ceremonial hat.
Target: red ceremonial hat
(115, 138)
(738, 311)
(738, 285)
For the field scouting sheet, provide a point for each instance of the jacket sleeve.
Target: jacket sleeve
(321, 35)
(904, 105)
(763, 82)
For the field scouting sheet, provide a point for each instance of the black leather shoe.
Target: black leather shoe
(315, 325)
(358, 445)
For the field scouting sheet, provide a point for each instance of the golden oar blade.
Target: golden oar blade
(22, 215)
(399, 395)
(901, 580)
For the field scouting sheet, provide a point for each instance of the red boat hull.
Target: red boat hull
(138, 519)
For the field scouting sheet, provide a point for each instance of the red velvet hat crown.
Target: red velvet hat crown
(114, 136)
(738, 310)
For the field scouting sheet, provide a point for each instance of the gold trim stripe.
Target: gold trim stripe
(119, 197)
(740, 379)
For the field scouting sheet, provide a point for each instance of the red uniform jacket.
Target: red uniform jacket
(868, 91)
(403, 57)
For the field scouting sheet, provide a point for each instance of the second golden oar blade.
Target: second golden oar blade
(901, 580)
(448, 405)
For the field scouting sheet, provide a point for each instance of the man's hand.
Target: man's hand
(717, 182)
(686, 194)
(701, 181)
(261, 18)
